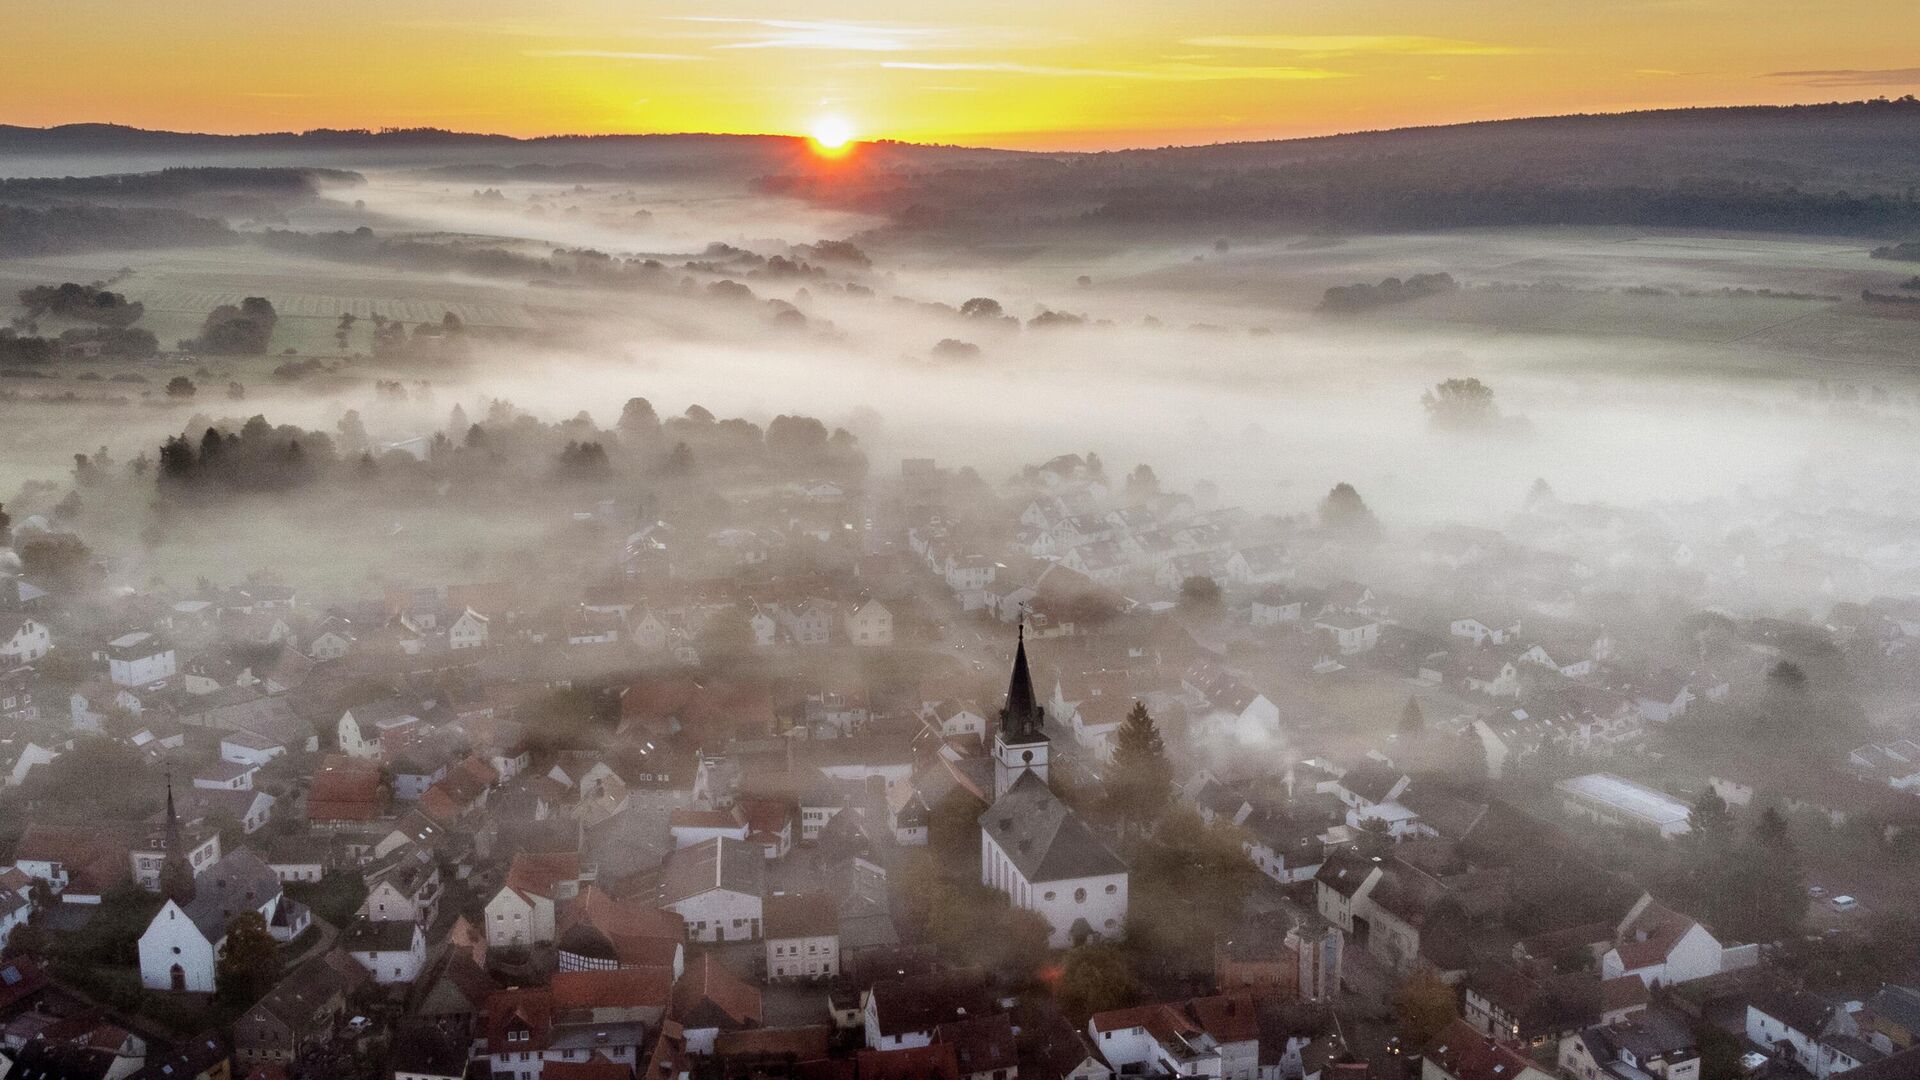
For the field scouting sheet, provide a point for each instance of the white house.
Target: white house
(1664, 947)
(870, 624)
(1819, 1036)
(1351, 634)
(361, 728)
(393, 952)
(522, 912)
(718, 886)
(469, 631)
(803, 937)
(140, 659)
(23, 639)
(181, 945)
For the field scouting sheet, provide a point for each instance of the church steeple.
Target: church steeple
(176, 877)
(1021, 718)
(1020, 746)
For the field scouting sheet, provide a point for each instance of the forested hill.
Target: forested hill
(1844, 168)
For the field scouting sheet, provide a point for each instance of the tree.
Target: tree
(1200, 593)
(1771, 828)
(1096, 978)
(249, 961)
(1460, 405)
(1423, 1006)
(1343, 511)
(638, 421)
(1412, 720)
(1172, 923)
(1141, 779)
(1142, 484)
(1709, 813)
(981, 307)
(181, 387)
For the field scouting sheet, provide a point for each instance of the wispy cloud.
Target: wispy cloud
(1850, 77)
(1164, 72)
(612, 54)
(1356, 44)
(830, 36)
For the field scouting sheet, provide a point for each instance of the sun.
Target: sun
(831, 135)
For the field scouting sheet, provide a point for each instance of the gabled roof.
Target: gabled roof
(719, 863)
(708, 995)
(1043, 837)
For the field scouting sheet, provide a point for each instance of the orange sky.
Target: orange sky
(1036, 73)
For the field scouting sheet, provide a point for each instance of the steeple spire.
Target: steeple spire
(176, 877)
(1020, 719)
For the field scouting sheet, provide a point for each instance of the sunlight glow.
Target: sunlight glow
(831, 135)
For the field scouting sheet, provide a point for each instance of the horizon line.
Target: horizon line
(387, 131)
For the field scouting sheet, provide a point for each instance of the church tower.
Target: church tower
(176, 877)
(1020, 746)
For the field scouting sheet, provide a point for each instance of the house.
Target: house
(345, 792)
(1461, 1053)
(1518, 1005)
(1217, 1038)
(469, 631)
(901, 1014)
(584, 1022)
(204, 1057)
(180, 945)
(1819, 1036)
(984, 1047)
(522, 912)
(1652, 1043)
(362, 728)
(1664, 947)
(393, 950)
(303, 1011)
(403, 886)
(597, 932)
(1485, 629)
(80, 865)
(870, 624)
(711, 1001)
(803, 937)
(1351, 634)
(23, 639)
(140, 659)
(718, 886)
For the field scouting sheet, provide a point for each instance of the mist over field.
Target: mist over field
(1366, 590)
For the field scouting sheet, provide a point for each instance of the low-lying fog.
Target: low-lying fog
(1208, 361)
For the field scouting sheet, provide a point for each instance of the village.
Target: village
(918, 777)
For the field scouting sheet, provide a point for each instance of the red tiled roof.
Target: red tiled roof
(935, 1062)
(624, 988)
(541, 873)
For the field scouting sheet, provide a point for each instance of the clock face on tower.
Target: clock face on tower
(1026, 756)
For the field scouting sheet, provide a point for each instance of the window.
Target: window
(1079, 896)
(1049, 894)
(1111, 889)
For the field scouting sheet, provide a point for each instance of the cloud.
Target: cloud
(831, 36)
(1850, 77)
(1165, 72)
(612, 54)
(1356, 44)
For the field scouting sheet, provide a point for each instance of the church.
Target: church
(1033, 847)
